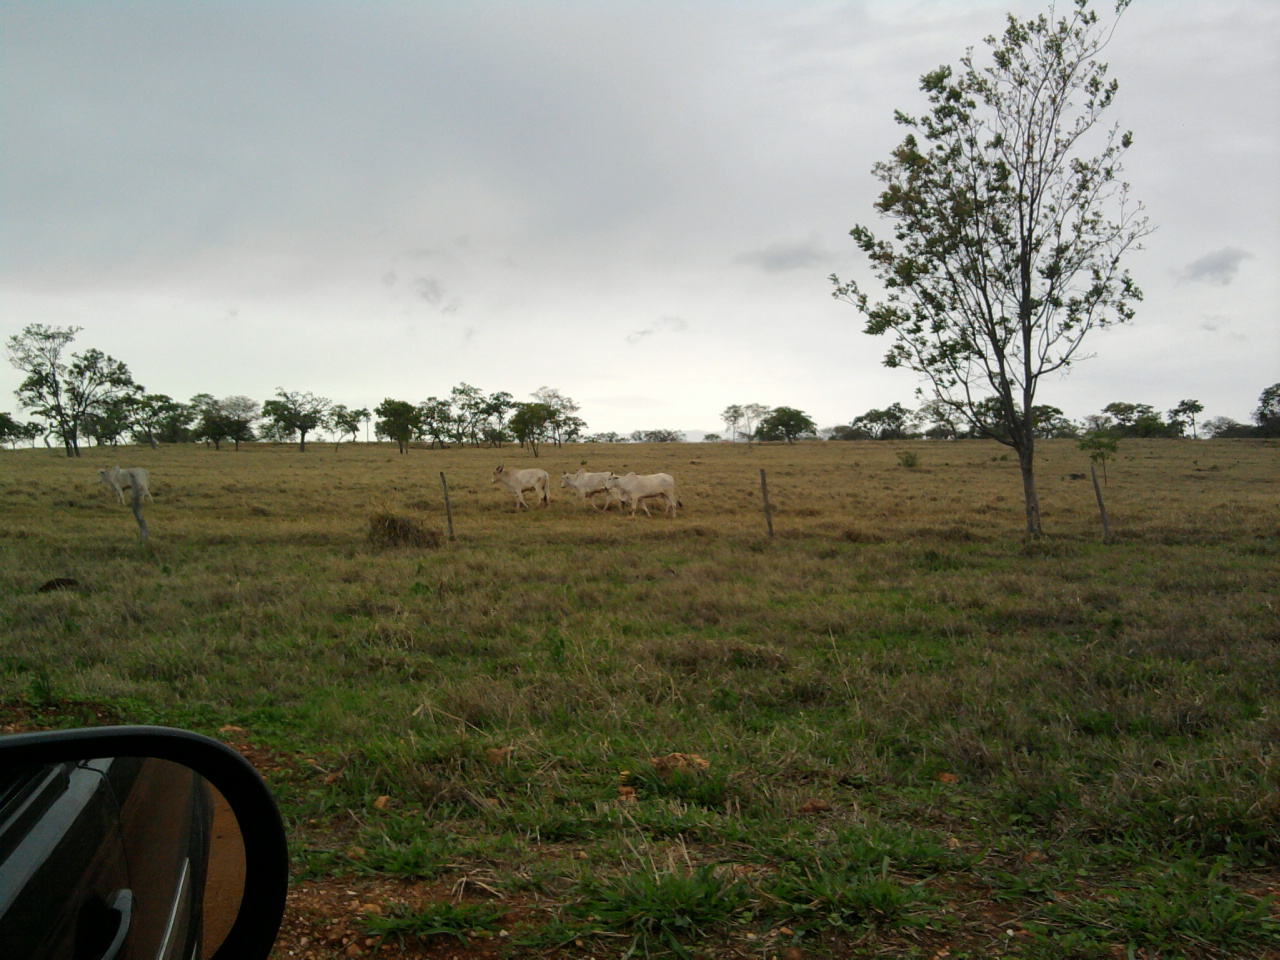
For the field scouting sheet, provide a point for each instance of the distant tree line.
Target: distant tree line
(1116, 420)
(937, 421)
(91, 397)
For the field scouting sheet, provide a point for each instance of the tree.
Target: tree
(240, 413)
(11, 431)
(1101, 447)
(230, 418)
(1267, 416)
(1138, 420)
(1225, 428)
(399, 420)
(786, 423)
(657, 436)
(1008, 235)
(63, 392)
(752, 414)
(732, 417)
(1184, 413)
(846, 431)
(109, 420)
(1050, 423)
(942, 420)
(344, 421)
(468, 404)
(887, 424)
(497, 408)
(158, 418)
(532, 423)
(297, 412)
(563, 426)
(437, 419)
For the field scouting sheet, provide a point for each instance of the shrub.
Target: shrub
(387, 530)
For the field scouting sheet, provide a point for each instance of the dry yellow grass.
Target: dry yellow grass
(959, 492)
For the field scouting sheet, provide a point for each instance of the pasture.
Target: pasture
(924, 735)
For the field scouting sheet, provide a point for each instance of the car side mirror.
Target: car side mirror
(121, 842)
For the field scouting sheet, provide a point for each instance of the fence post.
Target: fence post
(764, 494)
(1102, 507)
(448, 509)
(137, 512)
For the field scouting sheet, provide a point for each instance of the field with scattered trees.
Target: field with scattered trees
(896, 727)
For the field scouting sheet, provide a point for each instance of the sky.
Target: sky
(636, 202)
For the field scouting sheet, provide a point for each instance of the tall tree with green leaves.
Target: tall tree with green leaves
(159, 418)
(10, 430)
(398, 420)
(346, 422)
(1267, 416)
(532, 423)
(1184, 413)
(1010, 222)
(787, 423)
(299, 412)
(66, 389)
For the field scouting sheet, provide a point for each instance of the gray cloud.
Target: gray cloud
(786, 255)
(1219, 267)
(661, 325)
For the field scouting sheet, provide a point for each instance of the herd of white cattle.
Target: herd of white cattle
(630, 489)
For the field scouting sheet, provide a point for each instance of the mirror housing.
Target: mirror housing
(266, 875)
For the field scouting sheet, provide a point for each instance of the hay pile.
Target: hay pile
(387, 530)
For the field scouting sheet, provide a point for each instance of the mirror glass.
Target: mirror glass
(116, 857)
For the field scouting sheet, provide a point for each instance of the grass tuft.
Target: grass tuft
(386, 531)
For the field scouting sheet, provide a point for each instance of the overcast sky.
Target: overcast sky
(637, 202)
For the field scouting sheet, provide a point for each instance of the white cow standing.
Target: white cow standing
(115, 478)
(636, 489)
(519, 481)
(588, 485)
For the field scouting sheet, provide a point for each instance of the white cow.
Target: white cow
(635, 489)
(117, 479)
(588, 485)
(518, 481)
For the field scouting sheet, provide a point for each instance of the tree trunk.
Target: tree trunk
(1027, 464)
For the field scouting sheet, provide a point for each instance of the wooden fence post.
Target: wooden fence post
(448, 509)
(764, 494)
(137, 511)
(1102, 507)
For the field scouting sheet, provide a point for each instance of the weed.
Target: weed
(1171, 909)
(662, 909)
(836, 893)
(439, 919)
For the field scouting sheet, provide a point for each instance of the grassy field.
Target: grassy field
(924, 735)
